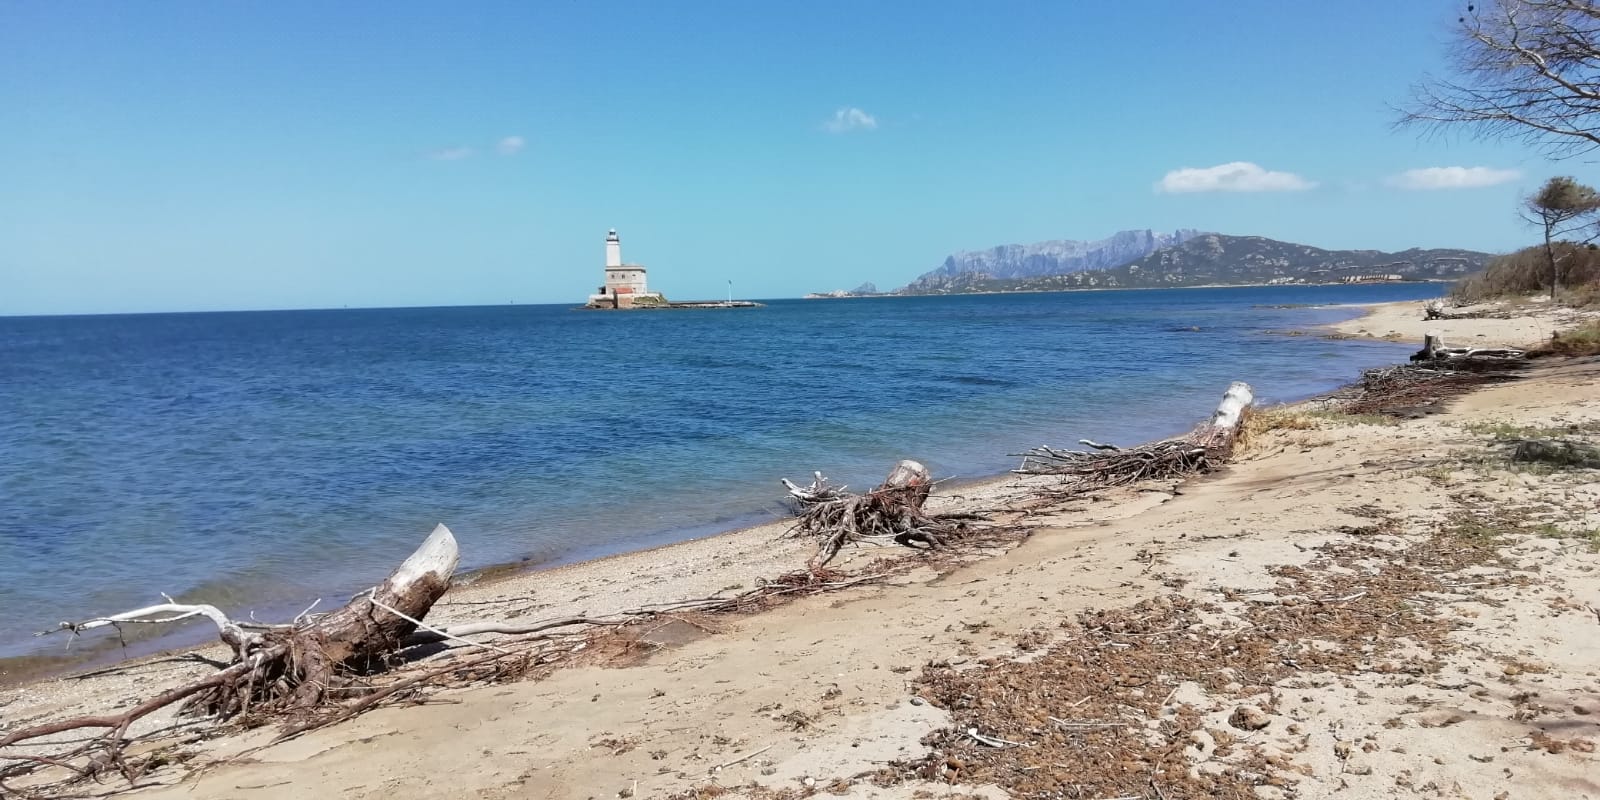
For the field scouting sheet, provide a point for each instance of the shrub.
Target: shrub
(1583, 340)
(1528, 272)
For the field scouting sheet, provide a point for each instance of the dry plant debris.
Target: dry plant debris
(1402, 389)
(1094, 716)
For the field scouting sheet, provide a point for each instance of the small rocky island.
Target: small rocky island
(626, 286)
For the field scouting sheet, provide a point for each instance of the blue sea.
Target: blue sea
(259, 460)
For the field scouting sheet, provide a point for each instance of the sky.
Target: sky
(206, 156)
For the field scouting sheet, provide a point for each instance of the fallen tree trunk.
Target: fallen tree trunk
(1434, 309)
(1433, 351)
(1201, 450)
(282, 668)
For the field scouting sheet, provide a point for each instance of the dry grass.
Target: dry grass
(1261, 424)
(1583, 340)
(1527, 271)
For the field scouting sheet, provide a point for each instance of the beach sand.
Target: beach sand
(1492, 693)
(1529, 323)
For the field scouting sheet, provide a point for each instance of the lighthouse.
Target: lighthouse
(625, 284)
(613, 249)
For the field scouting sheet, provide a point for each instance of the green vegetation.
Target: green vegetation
(1335, 417)
(1583, 340)
(1550, 530)
(1441, 474)
(1562, 207)
(1502, 430)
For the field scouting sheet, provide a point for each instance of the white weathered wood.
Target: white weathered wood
(438, 554)
(907, 473)
(415, 584)
(1231, 410)
(231, 633)
(818, 491)
(1431, 342)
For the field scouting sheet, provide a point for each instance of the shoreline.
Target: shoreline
(584, 731)
(510, 575)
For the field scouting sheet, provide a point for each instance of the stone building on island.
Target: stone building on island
(625, 285)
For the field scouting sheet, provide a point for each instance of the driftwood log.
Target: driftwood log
(1434, 352)
(890, 512)
(1434, 309)
(295, 668)
(1201, 450)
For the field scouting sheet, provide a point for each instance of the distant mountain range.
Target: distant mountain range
(1140, 259)
(1040, 259)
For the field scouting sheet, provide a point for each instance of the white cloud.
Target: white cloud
(1452, 178)
(451, 154)
(850, 119)
(510, 145)
(1235, 176)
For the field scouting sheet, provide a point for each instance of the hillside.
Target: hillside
(1218, 259)
(1042, 259)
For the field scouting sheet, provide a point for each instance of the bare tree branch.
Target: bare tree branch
(1524, 69)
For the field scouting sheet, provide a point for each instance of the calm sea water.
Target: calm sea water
(260, 460)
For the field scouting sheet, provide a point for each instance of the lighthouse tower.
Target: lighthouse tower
(625, 285)
(613, 249)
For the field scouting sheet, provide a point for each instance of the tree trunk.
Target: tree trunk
(368, 629)
(910, 475)
(359, 638)
(1550, 255)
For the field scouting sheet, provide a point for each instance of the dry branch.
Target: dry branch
(820, 490)
(1201, 450)
(890, 512)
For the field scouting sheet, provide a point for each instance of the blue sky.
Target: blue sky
(187, 155)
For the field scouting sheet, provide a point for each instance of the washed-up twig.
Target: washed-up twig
(745, 757)
(438, 631)
(990, 741)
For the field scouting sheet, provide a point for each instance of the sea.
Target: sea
(259, 460)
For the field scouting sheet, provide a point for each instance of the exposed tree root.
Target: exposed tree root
(890, 513)
(243, 693)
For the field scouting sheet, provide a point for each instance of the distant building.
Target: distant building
(625, 284)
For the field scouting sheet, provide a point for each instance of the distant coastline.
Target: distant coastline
(1123, 289)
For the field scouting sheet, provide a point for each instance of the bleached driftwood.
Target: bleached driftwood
(230, 632)
(1434, 309)
(291, 667)
(819, 491)
(1433, 350)
(1201, 450)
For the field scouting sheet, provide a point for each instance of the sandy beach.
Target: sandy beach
(1354, 608)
